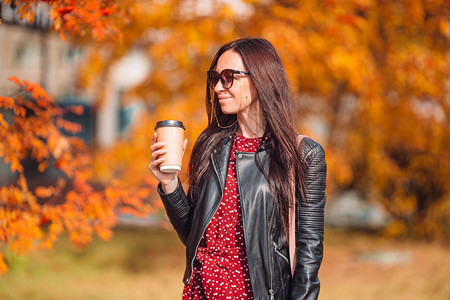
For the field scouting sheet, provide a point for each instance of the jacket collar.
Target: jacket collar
(221, 156)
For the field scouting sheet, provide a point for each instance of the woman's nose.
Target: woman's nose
(219, 87)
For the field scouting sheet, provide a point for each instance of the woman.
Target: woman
(256, 190)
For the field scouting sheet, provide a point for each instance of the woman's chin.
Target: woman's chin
(227, 110)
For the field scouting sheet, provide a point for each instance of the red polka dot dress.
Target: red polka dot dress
(221, 268)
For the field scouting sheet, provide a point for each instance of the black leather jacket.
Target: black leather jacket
(266, 246)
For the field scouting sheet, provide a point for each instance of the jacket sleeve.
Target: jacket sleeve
(178, 209)
(310, 224)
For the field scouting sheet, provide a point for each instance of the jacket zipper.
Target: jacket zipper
(279, 253)
(270, 262)
(203, 232)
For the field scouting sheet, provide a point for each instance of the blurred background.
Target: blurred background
(79, 216)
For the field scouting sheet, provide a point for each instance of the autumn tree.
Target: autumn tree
(373, 74)
(35, 128)
(378, 72)
(32, 126)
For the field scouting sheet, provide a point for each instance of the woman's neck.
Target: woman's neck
(251, 126)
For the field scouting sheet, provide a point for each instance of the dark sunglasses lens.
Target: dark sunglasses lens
(213, 78)
(226, 78)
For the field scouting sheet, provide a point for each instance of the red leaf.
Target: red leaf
(65, 10)
(107, 11)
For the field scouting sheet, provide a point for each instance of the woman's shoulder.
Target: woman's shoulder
(310, 148)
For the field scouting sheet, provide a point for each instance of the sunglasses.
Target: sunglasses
(226, 77)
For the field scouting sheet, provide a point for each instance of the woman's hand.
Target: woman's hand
(169, 181)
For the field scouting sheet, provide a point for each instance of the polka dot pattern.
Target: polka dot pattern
(221, 268)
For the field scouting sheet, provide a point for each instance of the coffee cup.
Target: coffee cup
(171, 133)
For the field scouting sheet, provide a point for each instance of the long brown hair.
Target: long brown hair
(269, 77)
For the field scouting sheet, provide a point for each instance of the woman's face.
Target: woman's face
(240, 99)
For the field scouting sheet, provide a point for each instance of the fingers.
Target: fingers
(155, 159)
(156, 146)
(154, 165)
(157, 151)
(156, 154)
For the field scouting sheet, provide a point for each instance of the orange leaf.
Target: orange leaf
(15, 79)
(20, 111)
(22, 9)
(77, 142)
(30, 18)
(3, 266)
(16, 165)
(62, 36)
(22, 182)
(43, 166)
(44, 103)
(347, 19)
(43, 192)
(6, 102)
(143, 193)
(444, 27)
(68, 126)
(81, 185)
(38, 92)
(46, 244)
(104, 233)
(76, 109)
